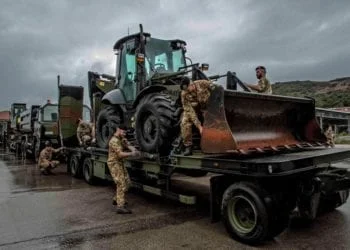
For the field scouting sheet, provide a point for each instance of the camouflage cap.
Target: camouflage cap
(47, 143)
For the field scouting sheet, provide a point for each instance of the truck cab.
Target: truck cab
(45, 124)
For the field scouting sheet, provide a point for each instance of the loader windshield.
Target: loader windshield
(50, 113)
(163, 57)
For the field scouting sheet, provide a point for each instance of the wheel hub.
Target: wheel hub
(242, 214)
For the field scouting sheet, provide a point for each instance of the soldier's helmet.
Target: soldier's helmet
(47, 143)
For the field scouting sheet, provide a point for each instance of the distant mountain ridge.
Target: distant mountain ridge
(328, 94)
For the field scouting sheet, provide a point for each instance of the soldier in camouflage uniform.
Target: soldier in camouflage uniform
(45, 162)
(264, 85)
(120, 148)
(194, 96)
(85, 133)
(330, 136)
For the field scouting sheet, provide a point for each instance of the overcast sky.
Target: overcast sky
(295, 40)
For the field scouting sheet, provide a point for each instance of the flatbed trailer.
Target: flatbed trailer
(253, 195)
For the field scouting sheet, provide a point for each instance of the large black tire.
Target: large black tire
(88, 171)
(156, 123)
(244, 213)
(107, 121)
(74, 166)
(250, 215)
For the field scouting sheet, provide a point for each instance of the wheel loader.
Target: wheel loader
(145, 97)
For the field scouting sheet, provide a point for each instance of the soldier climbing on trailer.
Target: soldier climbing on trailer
(194, 96)
(85, 133)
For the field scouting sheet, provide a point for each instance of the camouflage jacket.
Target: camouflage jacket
(46, 154)
(264, 86)
(84, 128)
(191, 99)
(116, 146)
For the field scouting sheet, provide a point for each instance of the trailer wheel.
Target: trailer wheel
(330, 202)
(74, 166)
(244, 213)
(88, 171)
(156, 120)
(107, 121)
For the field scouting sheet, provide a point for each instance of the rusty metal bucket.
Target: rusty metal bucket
(244, 122)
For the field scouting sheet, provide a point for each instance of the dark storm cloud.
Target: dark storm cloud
(294, 39)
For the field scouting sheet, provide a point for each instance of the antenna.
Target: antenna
(58, 80)
(128, 31)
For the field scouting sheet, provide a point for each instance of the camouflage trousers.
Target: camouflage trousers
(46, 164)
(121, 178)
(189, 118)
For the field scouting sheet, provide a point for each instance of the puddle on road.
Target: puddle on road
(18, 176)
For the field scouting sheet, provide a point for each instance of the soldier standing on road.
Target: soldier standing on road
(330, 136)
(264, 85)
(85, 133)
(194, 96)
(45, 161)
(117, 151)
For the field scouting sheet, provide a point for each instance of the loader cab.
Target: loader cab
(139, 60)
(48, 113)
(16, 110)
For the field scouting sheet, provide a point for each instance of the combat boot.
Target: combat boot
(123, 210)
(188, 151)
(44, 172)
(115, 203)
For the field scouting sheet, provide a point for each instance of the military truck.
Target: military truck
(33, 127)
(267, 153)
(13, 135)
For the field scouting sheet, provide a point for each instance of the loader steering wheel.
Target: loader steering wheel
(161, 67)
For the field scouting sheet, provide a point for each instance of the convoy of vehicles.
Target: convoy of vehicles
(266, 154)
(31, 127)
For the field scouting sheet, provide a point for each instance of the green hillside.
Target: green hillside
(328, 94)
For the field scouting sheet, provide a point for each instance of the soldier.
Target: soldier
(84, 133)
(194, 96)
(263, 85)
(117, 151)
(45, 161)
(330, 135)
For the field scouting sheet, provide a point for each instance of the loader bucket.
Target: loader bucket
(244, 122)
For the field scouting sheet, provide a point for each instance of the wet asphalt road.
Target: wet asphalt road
(60, 212)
